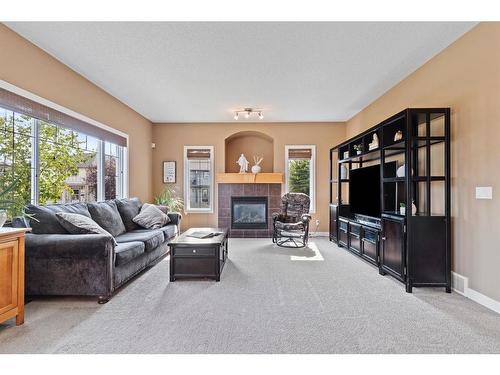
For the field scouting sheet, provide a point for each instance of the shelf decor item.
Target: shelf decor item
(413, 208)
(343, 172)
(243, 163)
(169, 172)
(358, 149)
(402, 209)
(256, 168)
(346, 154)
(3, 217)
(401, 171)
(374, 143)
(398, 136)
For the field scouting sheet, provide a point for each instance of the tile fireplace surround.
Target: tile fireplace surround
(226, 191)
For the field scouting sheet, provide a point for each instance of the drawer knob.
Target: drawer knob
(194, 251)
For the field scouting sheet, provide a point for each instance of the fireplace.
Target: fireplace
(249, 213)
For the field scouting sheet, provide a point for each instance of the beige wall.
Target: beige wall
(170, 139)
(30, 68)
(465, 77)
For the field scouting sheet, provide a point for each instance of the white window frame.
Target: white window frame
(188, 209)
(123, 156)
(312, 172)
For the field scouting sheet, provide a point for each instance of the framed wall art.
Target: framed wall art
(169, 172)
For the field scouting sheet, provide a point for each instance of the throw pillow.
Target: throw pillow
(80, 224)
(129, 208)
(151, 217)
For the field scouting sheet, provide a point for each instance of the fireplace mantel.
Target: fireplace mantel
(250, 178)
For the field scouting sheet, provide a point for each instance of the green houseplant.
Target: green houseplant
(11, 207)
(169, 198)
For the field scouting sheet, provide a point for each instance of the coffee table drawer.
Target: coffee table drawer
(186, 251)
(195, 267)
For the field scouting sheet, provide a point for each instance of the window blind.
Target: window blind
(194, 153)
(299, 153)
(28, 107)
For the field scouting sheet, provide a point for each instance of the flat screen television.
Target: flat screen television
(364, 190)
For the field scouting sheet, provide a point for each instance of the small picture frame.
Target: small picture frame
(169, 172)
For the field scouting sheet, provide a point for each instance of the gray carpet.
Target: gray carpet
(270, 300)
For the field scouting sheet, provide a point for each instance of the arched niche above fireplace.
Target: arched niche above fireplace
(249, 143)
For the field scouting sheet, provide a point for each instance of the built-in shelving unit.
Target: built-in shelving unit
(413, 246)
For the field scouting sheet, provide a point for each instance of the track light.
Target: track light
(247, 112)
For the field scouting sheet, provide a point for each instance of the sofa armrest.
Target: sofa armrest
(69, 264)
(78, 246)
(175, 218)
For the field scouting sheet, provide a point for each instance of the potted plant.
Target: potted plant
(358, 149)
(402, 209)
(169, 198)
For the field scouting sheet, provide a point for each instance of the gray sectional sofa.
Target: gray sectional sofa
(59, 263)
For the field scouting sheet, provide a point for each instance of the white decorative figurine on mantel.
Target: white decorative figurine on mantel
(243, 163)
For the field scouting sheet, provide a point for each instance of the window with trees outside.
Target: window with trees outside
(300, 171)
(198, 178)
(44, 163)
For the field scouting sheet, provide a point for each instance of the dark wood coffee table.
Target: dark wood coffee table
(192, 257)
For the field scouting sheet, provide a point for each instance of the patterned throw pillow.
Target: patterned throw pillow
(80, 224)
(151, 217)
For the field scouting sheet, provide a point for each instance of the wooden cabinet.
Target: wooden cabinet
(392, 251)
(12, 274)
(343, 232)
(370, 245)
(355, 238)
(334, 217)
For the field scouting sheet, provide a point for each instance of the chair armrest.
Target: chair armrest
(76, 246)
(175, 218)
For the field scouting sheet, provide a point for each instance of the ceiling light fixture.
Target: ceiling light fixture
(248, 112)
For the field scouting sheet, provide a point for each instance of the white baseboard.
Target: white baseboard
(460, 284)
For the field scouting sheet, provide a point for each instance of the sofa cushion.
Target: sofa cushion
(129, 208)
(80, 224)
(169, 231)
(107, 216)
(126, 251)
(151, 217)
(150, 238)
(44, 217)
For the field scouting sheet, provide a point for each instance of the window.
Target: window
(52, 164)
(198, 178)
(300, 170)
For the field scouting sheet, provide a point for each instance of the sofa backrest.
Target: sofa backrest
(114, 215)
(44, 217)
(107, 216)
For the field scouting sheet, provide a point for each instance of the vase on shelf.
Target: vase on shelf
(256, 169)
(402, 210)
(401, 171)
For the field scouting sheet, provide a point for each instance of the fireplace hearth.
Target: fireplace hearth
(249, 213)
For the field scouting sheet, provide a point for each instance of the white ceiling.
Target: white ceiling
(201, 72)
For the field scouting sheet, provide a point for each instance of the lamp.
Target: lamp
(248, 112)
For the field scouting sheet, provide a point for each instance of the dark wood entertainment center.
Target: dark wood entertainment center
(413, 247)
